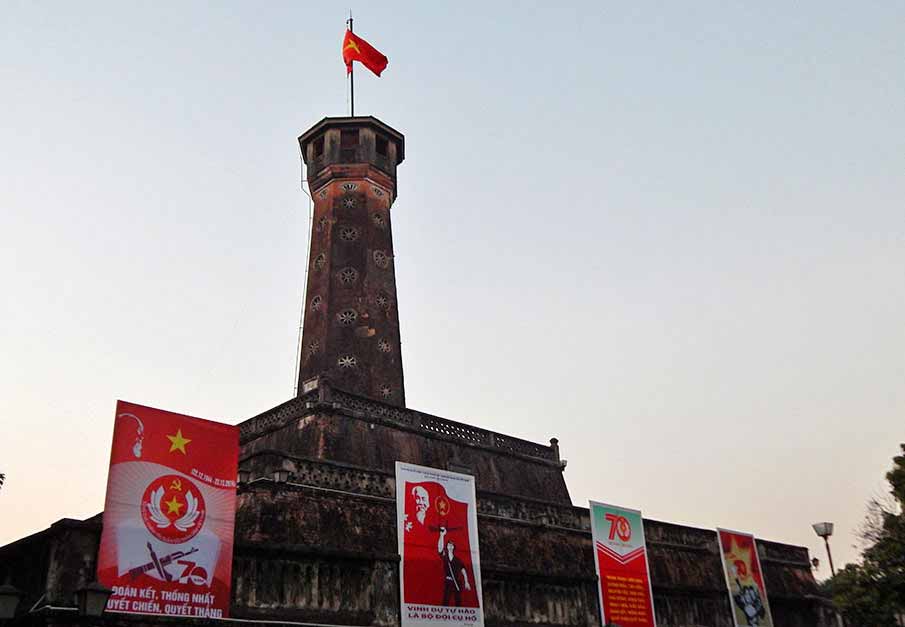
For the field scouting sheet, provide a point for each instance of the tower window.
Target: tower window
(382, 146)
(347, 317)
(348, 276)
(381, 260)
(348, 138)
(318, 147)
(348, 234)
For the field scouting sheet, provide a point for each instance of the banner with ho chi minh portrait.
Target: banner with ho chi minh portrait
(620, 559)
(437, 528)
(167, 542)
(745, 579)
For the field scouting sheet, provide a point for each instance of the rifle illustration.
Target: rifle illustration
(443, 527)
(159, 563)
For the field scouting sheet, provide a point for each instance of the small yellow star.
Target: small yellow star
(177, 442)
(173, 505)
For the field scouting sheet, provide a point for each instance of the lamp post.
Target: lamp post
(9, 600)
(281, 475)
(825, 530)
(92, 599)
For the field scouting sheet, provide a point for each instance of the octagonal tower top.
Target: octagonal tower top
(333, 143)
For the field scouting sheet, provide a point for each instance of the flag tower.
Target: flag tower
(351, 324)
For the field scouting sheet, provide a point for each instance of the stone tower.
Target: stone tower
(351, 326)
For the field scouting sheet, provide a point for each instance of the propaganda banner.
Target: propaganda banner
(620, 553)
(745, 579)
(437, 528)
(167, 542)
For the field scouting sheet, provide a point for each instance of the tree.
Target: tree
(872, 593)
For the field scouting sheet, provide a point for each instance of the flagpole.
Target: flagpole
(351, 75)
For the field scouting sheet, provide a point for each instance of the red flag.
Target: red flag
(429, 509)
(357, 49)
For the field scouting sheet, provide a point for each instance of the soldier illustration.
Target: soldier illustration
(452, 569)
(748, 600)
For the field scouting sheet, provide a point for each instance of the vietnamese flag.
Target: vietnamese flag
(357, 49)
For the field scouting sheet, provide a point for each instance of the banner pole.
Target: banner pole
(351, 76)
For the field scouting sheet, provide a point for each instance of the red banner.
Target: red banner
(438, 543)
(620, 553)
(167, 542)
(744, 579)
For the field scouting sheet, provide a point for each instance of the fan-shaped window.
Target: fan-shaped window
(347, 317)
(381, 259)
(348, 276)
(348, 234)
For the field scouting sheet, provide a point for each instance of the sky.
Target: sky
(672, 236)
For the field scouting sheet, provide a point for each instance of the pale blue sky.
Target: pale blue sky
(673, 237)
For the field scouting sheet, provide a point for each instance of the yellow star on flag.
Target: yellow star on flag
(177, 442)
(173, 505)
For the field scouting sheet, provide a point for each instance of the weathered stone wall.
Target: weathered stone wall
(536, 560)
(344, 431)
(49, 566)
(326, 555)
(321, 546)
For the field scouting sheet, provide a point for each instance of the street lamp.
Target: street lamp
(9, 600)
(92, 599)
(825, 530)
(281, 475)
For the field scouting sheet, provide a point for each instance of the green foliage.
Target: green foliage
(872, 594)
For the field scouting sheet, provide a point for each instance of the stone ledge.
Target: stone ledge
(322, 397)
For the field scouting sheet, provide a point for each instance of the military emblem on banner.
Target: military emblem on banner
(172, 509)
